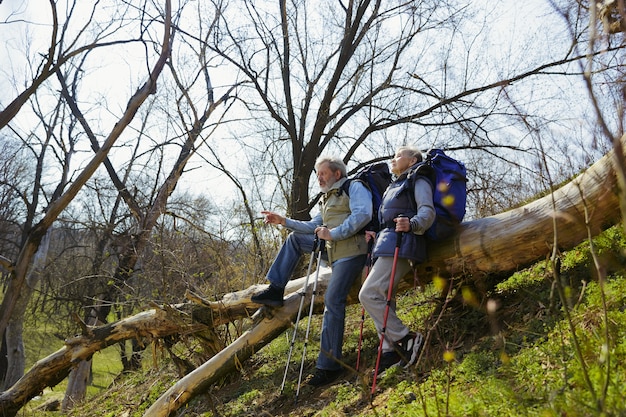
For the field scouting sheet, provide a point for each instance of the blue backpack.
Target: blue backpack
(376, 178)
(448, 178)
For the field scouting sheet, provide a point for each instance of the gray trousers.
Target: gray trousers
(373, 297)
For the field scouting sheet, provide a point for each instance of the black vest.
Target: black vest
(399, 200)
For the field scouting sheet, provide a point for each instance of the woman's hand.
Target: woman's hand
(402, 224)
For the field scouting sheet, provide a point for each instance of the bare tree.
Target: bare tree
(193, 117)
(16, 295)
(61, 49)
(358, 85)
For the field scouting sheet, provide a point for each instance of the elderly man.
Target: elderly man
(340, 224)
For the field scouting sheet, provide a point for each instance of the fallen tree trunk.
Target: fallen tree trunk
(49, 371)
(498, 244)
(517, 238)
(269, 323)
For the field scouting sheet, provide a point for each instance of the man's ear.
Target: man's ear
(337, 175)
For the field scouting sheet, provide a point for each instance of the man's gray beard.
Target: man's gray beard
(327, 187)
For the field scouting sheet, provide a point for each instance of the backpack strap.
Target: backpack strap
(345, 187)
(421, 170)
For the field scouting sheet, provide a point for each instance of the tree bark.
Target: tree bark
(79, 376)
(76, 385)
(13, 336)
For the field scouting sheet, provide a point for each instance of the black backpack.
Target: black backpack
(376, 178)
(448, 178)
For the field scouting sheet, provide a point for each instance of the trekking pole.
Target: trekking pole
(368, 265)
(302, 296)
(389, 294)
(308, 325)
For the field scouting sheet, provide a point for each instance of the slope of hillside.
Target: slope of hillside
(530, 346)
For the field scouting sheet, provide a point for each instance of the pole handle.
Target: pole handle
(320, 242)
(399, 234)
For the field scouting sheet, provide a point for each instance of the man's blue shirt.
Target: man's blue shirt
(360, 214)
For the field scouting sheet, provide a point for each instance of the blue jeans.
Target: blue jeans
(344, 272)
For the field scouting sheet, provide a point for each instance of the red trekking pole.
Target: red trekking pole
(389, 294)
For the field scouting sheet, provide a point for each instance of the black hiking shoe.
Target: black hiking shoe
(271, 296)
(409, 347)
(324, 376)
(405, 353)
(387, 360)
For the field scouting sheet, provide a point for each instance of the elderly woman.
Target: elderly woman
(407, 208)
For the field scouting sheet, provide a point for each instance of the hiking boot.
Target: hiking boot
(324, 376)
(271, 296)
(387, 360)
(409, 347)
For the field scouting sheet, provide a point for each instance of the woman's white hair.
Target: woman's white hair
(411, 152)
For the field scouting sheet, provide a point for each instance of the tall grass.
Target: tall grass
(521, 348)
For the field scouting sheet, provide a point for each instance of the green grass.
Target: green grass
(39, 343)
(517, 361)
(106, 366)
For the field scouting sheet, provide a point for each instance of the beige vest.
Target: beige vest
(335, 208)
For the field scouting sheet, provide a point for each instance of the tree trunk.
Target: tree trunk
(76, 385)
(16, 354)
(79, 376)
